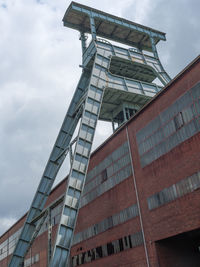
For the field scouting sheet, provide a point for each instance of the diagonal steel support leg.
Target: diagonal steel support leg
(78, 171)
(50, 172)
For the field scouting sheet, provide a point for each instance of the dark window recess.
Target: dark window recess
(99, 251)
(129, 238)
(83, 258)
(130, 112)
(158, 198)
(121, 246)
(104, 175)
(125, 239)
(178, 120)
(77, 261)
(93, 255)
(110, 249)
(89, 254)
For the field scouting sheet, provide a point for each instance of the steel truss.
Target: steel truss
(87, 106)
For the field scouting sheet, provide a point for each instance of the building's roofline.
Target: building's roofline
(163, 90)
(62, 181)
(13, 225)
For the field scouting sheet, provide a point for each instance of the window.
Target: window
(171, 127)
(105, 250)
(110, 248)
(121, 246)
(99, 252)
(175, 191)
(83, 258)
(130, 112)
(106, 224)
(104, 175)
(30, 261)
(36, 258)
(178, 120)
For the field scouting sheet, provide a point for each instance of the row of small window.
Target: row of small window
(186, 131)
(114, 247)
(118, 153)
(55, 218)
(107, 223)
(175, 191)
(32, 260)
(183, 117)
(8, 246)
(107, 173)
(173, 126)
(180, 104)
(107, 185)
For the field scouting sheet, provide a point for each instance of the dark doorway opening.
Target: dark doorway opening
(182, 250)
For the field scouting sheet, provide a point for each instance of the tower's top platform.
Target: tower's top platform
(77, 17)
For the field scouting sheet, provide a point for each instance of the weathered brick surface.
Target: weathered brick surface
(57, 192)
(182, 214)
(129, 227)
(107, 148)
(129, 258)
(109, 203)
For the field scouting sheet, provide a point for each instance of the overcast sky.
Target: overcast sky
(39, 71)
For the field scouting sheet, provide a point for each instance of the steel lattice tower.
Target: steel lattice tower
(115, 83)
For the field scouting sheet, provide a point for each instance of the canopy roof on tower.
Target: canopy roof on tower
(111, 27)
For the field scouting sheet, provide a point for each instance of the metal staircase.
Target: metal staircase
(115, 83)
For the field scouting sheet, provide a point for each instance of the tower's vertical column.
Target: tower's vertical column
(83, 39)
(163, 76)
(92, 27)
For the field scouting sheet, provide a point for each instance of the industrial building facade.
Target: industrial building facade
(140, 205)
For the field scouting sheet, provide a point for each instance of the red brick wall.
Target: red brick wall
(128, 258)
(182, 214)
(107, 148)
(109, 203)
(130, 227)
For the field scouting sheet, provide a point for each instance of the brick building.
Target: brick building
(140, 205)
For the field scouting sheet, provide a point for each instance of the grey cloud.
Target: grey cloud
(180, 20)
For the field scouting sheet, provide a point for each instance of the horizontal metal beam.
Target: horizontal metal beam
(79, 17)
(116, 20)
